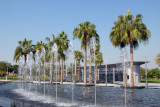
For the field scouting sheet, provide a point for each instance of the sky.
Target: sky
(38, 19)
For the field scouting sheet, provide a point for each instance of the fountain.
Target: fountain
(27, 92)
(124, 67)
(54, 51)
(93, 46)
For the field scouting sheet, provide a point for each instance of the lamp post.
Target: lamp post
(146, 73)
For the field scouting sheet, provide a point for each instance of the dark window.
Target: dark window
(127, 76)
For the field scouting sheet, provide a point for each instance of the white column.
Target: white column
(113, 75)
(106, 74)
(146, 73)
(98, 74)
(82, 74)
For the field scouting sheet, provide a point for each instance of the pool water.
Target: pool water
(12, 94)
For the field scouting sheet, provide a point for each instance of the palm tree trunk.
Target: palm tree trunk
(64, 68)
(95, 74)
(59, 70)
(25, 58)
(79, 70)
(90, 72)
(131, 64)
(85, 64)
(76, 70)
(43, 70)
(124, 75)
(52, 64)
(62, 72)
(40, 73)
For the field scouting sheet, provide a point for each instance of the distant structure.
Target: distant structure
(115, 72)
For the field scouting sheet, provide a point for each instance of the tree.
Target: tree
(59, 68)
(157, 60)
(80, 58)
(62, 45)
(23, 49)
(85, 31)
(50, 45)
(98, 59)
(76, 58)
(143, 74)
(128, 30)
(93, 43)
(39, 47)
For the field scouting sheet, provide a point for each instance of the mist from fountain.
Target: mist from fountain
(71, 51)
(125, 66)
(93, 46)
(54, 51)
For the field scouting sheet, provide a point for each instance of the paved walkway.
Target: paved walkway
(116, 84)
(150, 85)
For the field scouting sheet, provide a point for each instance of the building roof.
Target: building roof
(115, 64)
(134, 63)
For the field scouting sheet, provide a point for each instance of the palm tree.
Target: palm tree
(98, 60)
(80, 57)
(62, 45)
(128, 30)
(93, 43)
(24, 48)
(76, 58)
(50, 45)
(59, 68)
(40, 46)
(84, 32)
(157, 60)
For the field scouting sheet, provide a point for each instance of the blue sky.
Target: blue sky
(37, 19)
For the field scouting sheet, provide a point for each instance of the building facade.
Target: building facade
(114, 72)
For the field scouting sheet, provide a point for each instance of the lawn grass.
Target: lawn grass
(151, 81)
(13, 78)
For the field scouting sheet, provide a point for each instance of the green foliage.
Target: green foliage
(151, 80)
(157, 60)
(49, 46)
(23, 49)
(9, 78)
(98, 55)
(129, 30)
(3, 67)
(62, 42)
(152, 73)
(85, 31)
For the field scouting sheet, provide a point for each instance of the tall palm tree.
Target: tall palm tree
(98, 61)
(85, 31)
(62, 45)
(59, 68)
(50, 44)
(23, 49)
(157, 60)
(76, 58)
(92, 45)
(80, 58)
(129, 30)
(39, 47)
(97, 58)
